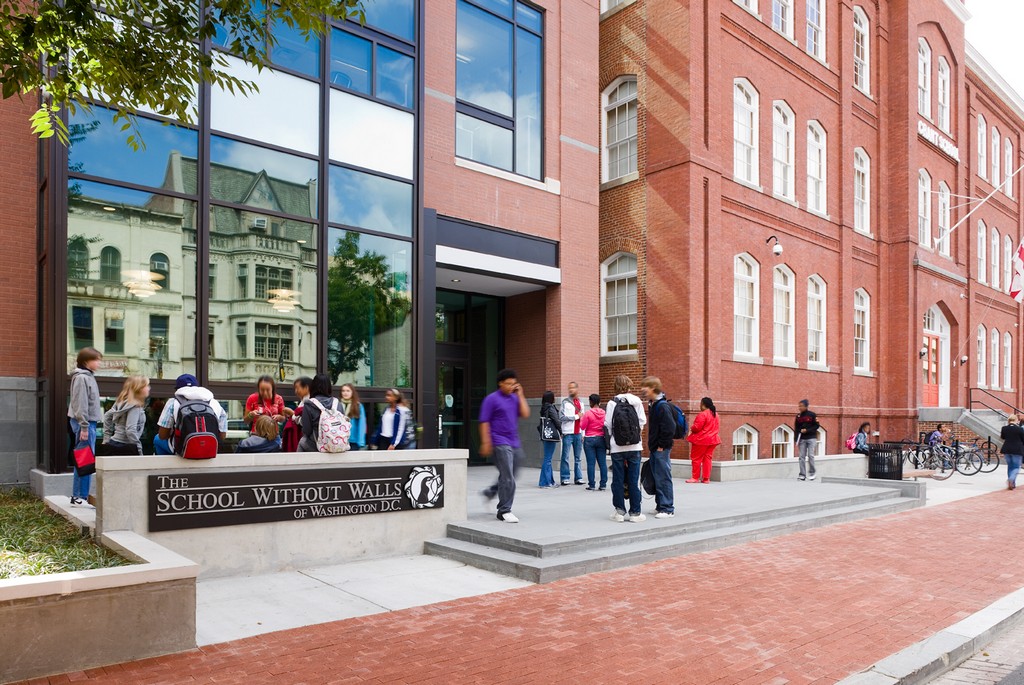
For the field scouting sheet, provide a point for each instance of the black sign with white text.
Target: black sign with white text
(201, 500)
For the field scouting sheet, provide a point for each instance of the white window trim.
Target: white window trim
(786, 442)
(862, 25)
(1008, 167)
(866, 308)
(823, 299)
(944, 114)
(754, 111)
(749, 5)
(1007, 262)
(945, 215)
(982, 147)
(605, 352)
(788, 355)
(981, 352)
(858, 154)
(997, 149)
(782, 108)
(752, 452)
(924, 78)
(822, 436)
(822, 52)
(996, 245)
(1007, 361)
(995, 341)
(812, 128)
(924, 208)
(753, 353)
(784, 31)
(605, 106)
(981, 247)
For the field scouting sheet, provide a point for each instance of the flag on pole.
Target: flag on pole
(1017, 284)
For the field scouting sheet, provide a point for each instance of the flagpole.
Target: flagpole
(978, 206)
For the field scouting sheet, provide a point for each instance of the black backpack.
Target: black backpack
(196, 430)
(625, 424)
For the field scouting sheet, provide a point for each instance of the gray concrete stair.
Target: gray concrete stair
(621, 545)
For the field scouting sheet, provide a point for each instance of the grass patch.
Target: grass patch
(35, 540)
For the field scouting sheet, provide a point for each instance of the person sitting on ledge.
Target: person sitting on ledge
(263, 438)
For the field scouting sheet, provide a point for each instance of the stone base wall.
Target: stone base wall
(18, 421)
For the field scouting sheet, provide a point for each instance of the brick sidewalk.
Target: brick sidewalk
(811, 607)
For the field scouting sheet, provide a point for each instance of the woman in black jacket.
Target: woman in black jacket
(549, 411)
(1013, 449)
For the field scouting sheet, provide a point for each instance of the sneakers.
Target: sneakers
(692, 480)
(76, 502)
(565, 482)
(602, 489)
(579, 482)
(636, 518)
(617, 517)
(591, 487)
(508, 517)
(664, 515)
(801, 478)
(812, 477)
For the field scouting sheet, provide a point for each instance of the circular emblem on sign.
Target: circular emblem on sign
(424, 487)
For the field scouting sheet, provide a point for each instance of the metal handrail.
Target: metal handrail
(972, 402)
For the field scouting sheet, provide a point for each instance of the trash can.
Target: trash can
(885, 461)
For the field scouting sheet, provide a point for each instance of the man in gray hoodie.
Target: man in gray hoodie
(83, 414)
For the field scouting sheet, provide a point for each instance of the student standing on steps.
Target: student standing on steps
(703, 439)
(660, 434)
(806, 426)
(499, 434)
(625, 419)
(571, 412)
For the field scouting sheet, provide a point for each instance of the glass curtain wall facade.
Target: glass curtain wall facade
(275, 237)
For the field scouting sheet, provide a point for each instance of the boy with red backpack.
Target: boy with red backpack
(192, 423)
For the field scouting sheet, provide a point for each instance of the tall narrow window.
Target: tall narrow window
(1008, 168)
(1007, 262)
(110, 264)
(161, 265)
(924, 78)
(861, 191)
(944, 85)
(861, 51)
(924, 208)
(816, 28)
(944, 217)
(745, 305)
(620, 304)
(744, 126)
(782, 150)
(982, 250)
(817, 167)
(982, 147)
(817, 322)
(861, 331)
(620, 112)
(783, 314)
(782, 17)
(78, 259)
(81, 327)
(981, 351)
(996, 247)
(996, 148)
(1007, 361)
(994, 341)
(744, 443)
(782, 443)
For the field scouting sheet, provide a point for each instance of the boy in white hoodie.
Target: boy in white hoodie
(625, 457)
(186, 388)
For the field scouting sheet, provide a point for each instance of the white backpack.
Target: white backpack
(333, 432)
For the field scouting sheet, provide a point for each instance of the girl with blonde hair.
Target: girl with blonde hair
(124, 423)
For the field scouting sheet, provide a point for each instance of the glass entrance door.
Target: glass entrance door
(452, 382)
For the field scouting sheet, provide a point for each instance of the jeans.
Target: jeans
(1012, 466)
(806, 448)
(662, 467)
(596, 452)
(547, 476)
(507, 459)
(574, 440)
(80, 484)
(626, 473)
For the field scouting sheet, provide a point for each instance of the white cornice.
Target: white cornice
(959, 9)
(991, 78)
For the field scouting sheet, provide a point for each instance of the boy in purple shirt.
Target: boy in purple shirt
(499, 433)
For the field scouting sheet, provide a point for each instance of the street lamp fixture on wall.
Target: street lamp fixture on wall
(777, 248)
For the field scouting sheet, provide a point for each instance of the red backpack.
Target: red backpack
(196, 430)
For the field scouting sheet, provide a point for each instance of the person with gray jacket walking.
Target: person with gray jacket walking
(124, 423)
(83, 415)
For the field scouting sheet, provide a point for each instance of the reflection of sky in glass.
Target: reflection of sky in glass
(394, 16)
(394, 77)
(529, 17)
(350, 61)
(528, 98)
(294, 51)
(483, 142)
(252, 158)
(365, 201)
(111, 194)
(371, 135)
(483, 73)
(104, 152)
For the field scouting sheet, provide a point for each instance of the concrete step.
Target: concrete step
(486, 536)
(636, 549)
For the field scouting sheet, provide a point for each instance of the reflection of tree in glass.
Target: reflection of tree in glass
(358, 283)
(76, 134)
(78, 256)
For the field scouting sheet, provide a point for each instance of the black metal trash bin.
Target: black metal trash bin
(885, 461)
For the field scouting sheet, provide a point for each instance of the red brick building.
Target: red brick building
(853, 136)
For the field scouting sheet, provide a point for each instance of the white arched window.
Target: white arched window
(816, 28)
(982, 147)
(782, 17)
(783, 150)
(110, 264)
(981, 352)
(996, 246)
(1007, 262)
(861, 330)
(822, 441)
(982, 252)
(944, 85)
(861, 51)
(745, 305)
(782, 442)
(784, 314)
(744, 443)
(620, 132)
(817, 167)
(924, 208)
(744, 131)
(924, 78)
(996, 149)
(861, 191)
(817, 322)
(1007, 361)
(1008, 167)
(994, 342)
(942, 240)
(618, 321)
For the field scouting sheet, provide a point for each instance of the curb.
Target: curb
(933, 656)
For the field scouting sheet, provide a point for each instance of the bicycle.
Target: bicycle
(988, 455)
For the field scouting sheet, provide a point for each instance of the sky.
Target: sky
(994, 29)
